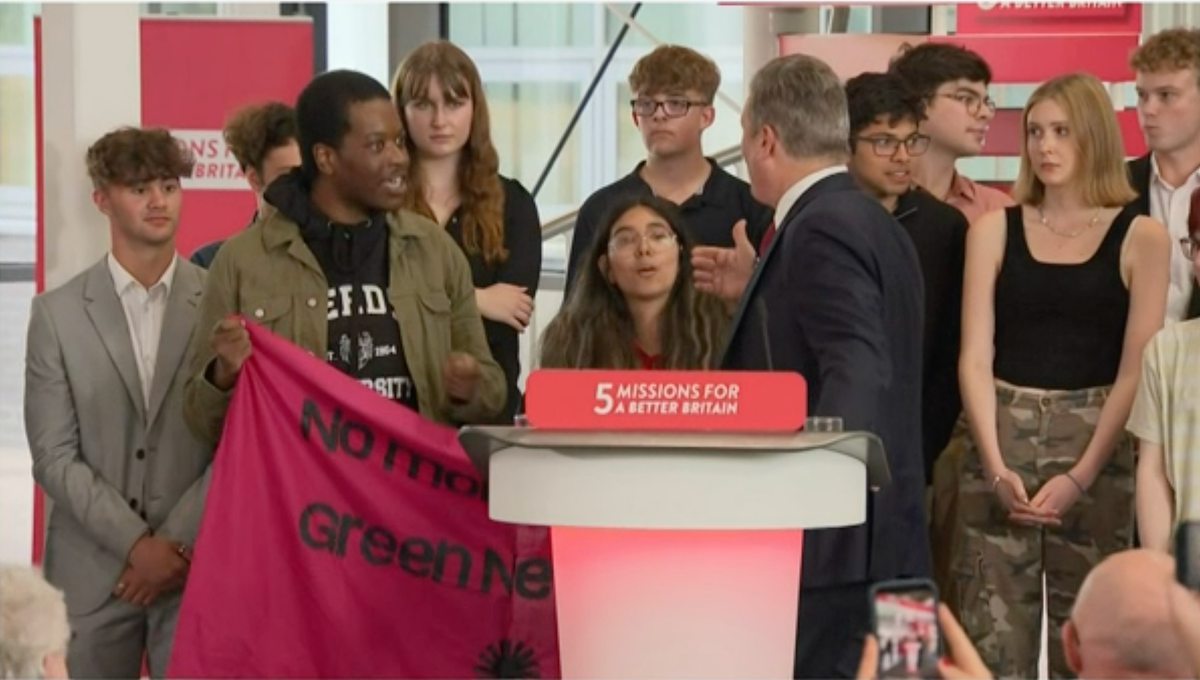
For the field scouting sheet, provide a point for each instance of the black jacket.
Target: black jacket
(939, 233)
(1139, 176)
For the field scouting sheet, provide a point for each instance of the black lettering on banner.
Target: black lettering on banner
(310, 413)
(415, 556)
(377, 546)
(324, 529)
(366, 438)
(439, 478)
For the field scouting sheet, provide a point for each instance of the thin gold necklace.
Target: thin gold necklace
(1046, 223)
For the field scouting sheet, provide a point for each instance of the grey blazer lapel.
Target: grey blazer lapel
(178, 321)
(108, 317)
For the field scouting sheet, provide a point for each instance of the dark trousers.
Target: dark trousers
(830, 630)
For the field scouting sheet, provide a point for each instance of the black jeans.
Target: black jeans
(830, 630)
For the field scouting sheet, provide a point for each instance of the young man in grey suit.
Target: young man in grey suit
(104, 374)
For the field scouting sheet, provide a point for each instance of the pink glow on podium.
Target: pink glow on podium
(676, 603)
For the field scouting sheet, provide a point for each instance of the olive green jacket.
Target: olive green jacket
(267, 274)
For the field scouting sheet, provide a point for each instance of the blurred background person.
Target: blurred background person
(634, 305)
(1167, 70)
(34, 631)
(1166, 418)
(453, 179)
(1061, 294)
(262, 137)
(1122, 624)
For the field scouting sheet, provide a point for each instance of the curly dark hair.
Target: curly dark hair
(870, 96)
(254, 131)
(594, 329)
(130, 155)
(928, 66)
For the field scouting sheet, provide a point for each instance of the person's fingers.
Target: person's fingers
(868, 665)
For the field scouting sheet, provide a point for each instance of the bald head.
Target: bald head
(1121, 626)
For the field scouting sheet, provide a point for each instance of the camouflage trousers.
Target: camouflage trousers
(998, 571)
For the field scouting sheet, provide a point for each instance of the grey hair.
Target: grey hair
(803, 100)
(33, 621)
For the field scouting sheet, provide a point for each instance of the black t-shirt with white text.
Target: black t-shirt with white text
(364, 334)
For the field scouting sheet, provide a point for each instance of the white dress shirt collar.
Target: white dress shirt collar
(797, 190)
(122, 279)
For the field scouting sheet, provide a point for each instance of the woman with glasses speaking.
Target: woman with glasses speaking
(634, 305)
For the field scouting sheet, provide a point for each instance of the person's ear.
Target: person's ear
(1070, 641)
(325, 157)
(254, 179)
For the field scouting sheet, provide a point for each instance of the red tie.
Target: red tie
(766, 239)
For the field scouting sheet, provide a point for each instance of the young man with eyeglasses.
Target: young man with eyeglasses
(1167, 68)
(884, 141)
(1166, 417)
(953, 82)
(673, 90)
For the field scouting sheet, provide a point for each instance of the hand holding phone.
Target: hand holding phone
(905, 617)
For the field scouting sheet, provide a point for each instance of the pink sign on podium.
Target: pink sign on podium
(676, 538)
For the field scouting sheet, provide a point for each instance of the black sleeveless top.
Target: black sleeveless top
(1060, 326)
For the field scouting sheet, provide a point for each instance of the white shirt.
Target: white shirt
(144, 312)
(1170, 205)
(797, 190)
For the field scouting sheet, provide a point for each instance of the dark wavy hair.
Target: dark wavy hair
(129, 155)
(255, 130)
(594, 328)
(479, 167)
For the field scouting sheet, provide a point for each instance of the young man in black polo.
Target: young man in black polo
(673, 89)
(884, 116)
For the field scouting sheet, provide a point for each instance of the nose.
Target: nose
(643, 244)
(157, 197)
(397, 154)
(901, 153)
(439, 115)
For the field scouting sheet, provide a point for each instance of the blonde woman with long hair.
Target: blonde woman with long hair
(1061, 294)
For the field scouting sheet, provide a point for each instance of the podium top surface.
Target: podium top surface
(481, 442)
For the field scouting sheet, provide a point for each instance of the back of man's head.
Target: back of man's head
(1121, 626)
(323, 111)
(34, 630)
(928, 66)
(803, 100)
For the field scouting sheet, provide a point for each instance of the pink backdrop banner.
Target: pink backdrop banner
(347, 537)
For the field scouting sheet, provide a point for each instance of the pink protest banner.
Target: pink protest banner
(347, 537)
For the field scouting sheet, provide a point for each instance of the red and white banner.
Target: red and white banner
(347, 537)
(195, 72)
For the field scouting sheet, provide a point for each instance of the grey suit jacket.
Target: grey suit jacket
(113, 468)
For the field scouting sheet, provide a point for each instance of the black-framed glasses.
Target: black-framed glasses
(672, 108)
(971, 101)
(886, 145)
(1190, 247)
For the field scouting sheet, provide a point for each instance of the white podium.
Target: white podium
(676, 555)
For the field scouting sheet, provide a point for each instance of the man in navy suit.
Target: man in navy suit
(837, 296)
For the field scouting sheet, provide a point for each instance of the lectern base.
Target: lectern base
(676, 604)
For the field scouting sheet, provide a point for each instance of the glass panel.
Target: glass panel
(521, 24)
(16, 22)
(16, 130)
(527, 120)
(699, 26)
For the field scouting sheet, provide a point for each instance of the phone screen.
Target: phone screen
(906, 627)
(1187, 554)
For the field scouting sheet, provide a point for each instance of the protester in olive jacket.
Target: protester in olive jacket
(382, 294)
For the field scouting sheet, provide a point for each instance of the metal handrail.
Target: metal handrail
(564, 223)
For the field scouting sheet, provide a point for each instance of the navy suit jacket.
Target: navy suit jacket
(1139, 175)
(839, 298)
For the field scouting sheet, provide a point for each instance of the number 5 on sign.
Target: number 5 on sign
(604, 399)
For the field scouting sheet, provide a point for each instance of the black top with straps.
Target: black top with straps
(1060, 326)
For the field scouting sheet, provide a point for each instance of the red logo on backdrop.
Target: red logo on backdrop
(1048, 17)
(666, 400)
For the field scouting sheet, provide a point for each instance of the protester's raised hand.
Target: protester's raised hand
(231, 342)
